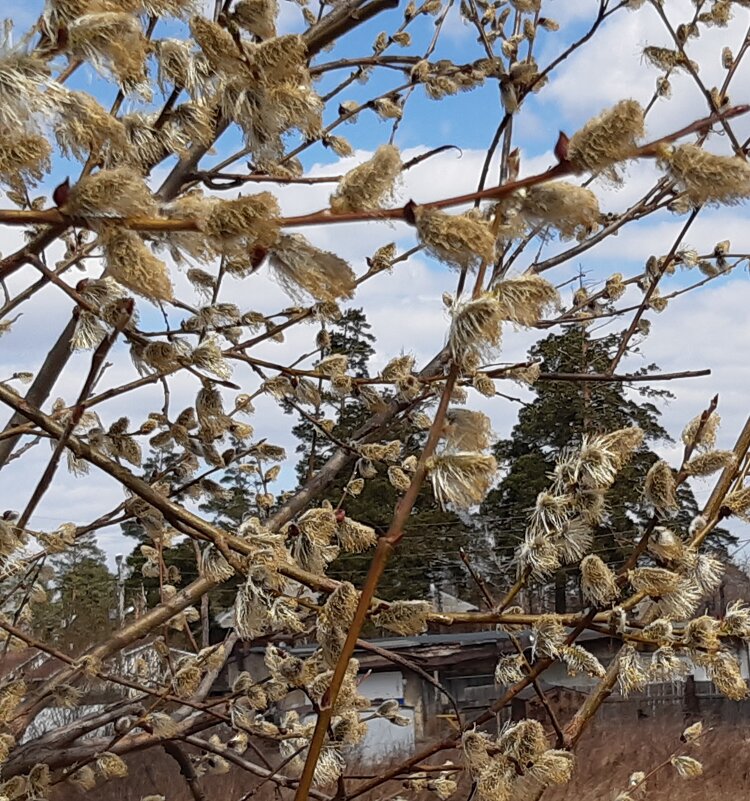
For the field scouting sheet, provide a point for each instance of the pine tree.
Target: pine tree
(81, 604)
(430, 529)
(349, 336)
(559, 415)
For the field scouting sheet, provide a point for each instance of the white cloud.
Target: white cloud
(611, 67)
(404, 307)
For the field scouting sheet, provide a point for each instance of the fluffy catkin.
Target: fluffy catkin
(461, 479)
(598, 582)
(702, 433)
(476, 329)
(301, 267)
(659, 488)
(133, 265)
(24, 156)
(113, 42)
(573, 210)
(706, 177)
(404, 617)
(607, 138)
(710, 462)
(257, 17)
(524, 299)
(119, 192)
(369, 184)
(460, 240)
(83, 127)
(252, 218)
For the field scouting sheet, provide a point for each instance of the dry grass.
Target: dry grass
(610, 751)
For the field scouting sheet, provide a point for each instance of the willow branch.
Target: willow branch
(325, 217)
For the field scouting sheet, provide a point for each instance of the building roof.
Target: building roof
(417, 641)
(445, 602)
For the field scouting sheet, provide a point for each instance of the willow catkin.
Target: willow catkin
(338, 610)
(24, 156)
(257, 17)
(666, 665)
(467, 430)
(368, 185)
(659, 488)
(354, 537)
(579, 660)
(509, 670)
(476, 329)
(461, 479)
(687, 767)
(404, 617)
(724, 671)
(301, 268)
(706, 177)
(654, 581)
(710, 462)
(84, 777)
(573, 210)
(214, 565)
(460, 240)
(7, 744)
(168, 8)
(737, 503)
(111, 766)
(11, 696)
(216, 44)
(252, 218)
(666, 544)
(523, 741)
(548, 636)
(598, 582)
(608, 138)
(707, 572)
(117, 192)
(495, 781)
(553, 767)
(736, 620)
(133, 265)
(111, 41)
(668, 60)
(631, 676)
(525, 298)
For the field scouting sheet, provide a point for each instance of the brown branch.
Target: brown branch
(120, 639)
(41, 386)
(124, 313)
(89, 750)
(186, 769)
(669, 258)
(574, 729)
(250, 767)
(162, 225)
(384, 548)
(624, 377)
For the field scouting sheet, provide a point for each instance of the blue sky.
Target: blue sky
(707, 329)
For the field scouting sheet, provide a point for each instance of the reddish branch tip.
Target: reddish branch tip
(409, 212)
(61, 193)
(257, 256)
(561, 147)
